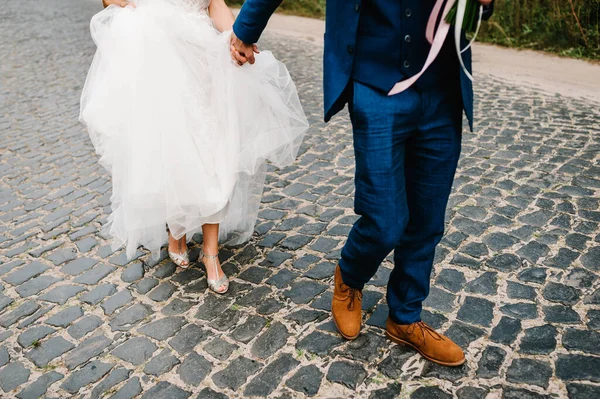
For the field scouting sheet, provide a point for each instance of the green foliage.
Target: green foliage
(304, 8)
(568, 27)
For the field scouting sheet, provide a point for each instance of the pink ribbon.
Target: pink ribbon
(436, 41)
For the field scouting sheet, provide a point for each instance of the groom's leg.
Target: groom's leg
(382, 125)
(431, 159)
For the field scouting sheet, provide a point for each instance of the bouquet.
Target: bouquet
(471, 18)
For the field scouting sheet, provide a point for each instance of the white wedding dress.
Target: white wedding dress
(184, 132)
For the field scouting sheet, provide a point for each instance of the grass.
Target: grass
(569, 28)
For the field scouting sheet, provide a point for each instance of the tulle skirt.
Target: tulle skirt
(184, 132)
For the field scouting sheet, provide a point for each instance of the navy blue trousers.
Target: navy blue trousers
(407, 148)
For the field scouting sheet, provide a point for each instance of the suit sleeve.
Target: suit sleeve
(488, 11)
(253, 18)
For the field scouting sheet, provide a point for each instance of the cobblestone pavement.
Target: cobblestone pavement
(515, 282)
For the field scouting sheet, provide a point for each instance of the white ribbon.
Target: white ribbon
(437, 37)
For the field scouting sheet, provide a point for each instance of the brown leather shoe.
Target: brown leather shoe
(346, 307)
(429, 343)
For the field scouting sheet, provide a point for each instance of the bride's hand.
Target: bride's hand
(120, 3)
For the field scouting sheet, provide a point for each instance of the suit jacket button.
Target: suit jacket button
(350, 49)
(357, 7)
(406, 64)
(408, 12)
(407, 38)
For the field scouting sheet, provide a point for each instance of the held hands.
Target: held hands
(242, 52)
(120, 3)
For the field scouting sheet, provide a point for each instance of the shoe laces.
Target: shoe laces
(351, 293)
(424, 328)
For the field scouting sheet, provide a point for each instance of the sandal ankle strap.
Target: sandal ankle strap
(205, 255)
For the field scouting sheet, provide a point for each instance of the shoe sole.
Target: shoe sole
(348, 337)
(406, 343)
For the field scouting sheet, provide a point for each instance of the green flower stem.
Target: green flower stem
(470, 18)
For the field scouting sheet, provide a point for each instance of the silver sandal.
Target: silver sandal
(215, 284)
(181, 260)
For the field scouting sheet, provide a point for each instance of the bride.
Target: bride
(183, 130)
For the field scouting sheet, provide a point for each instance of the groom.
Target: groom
(406, 148)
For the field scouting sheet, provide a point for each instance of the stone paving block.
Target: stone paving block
(212, 307)
(37, 285)
(130, 316)
(86, 350)
(48, 350)
(491, 361)
(430, 392)
(162, 292)
(220, 349)
(85, 326)
(391, 391)
(36, 316)
(269, 378)
(304, 291)
(65, 317)
(145, 285)
(561, 314)
(94, 275)
(164, 328)
(88, 374)
(319, 343)
(5, 301)
(4, 356)
(161, 363)
(270, 341)
(130, 390)
(97, 294)
(539, 340)
(307, 380)
(165, 390)
(391, 366)
(25, 309)
(477, 311)
(249, 329)
(236, 373)
(583, 391)
(194, 369)
(208, 393)
(40, 386)
(582, 340)
(62, 255)
(522, 311)
(78, 266)
(346, 373)
(115, 377)
(13, 375)
(135, 350)
(438, 371)
(86, 244)
(116, 301)
(529, 371)
(61, 294)
(188, 337)
(25, 273)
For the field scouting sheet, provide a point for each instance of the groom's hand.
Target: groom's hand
(242, 52)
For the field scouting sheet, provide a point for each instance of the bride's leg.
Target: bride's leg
(178, 251)
(210, 238)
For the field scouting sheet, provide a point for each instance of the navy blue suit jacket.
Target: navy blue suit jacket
(376, 42)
